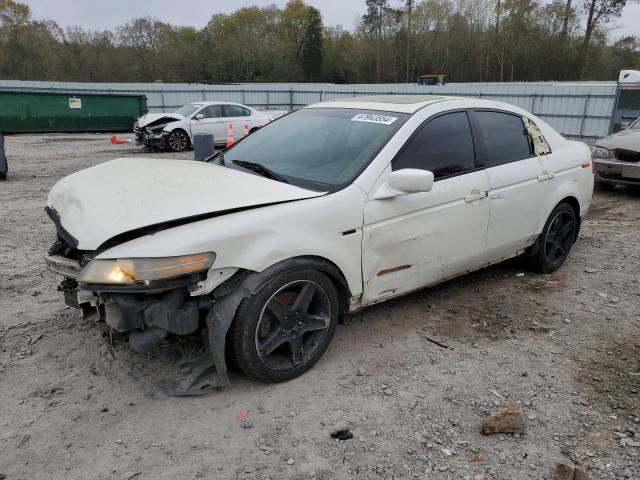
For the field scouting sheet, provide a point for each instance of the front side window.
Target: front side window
(187, 110)
(322, 149)
(443, 146)
(504, 137)
(212, 111)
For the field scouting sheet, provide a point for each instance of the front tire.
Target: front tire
(557, 238)
(177, 141)
(282, 330)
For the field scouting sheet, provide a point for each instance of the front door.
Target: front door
(415, 240)
(212, 123)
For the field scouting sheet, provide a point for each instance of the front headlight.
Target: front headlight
(599, 152)
(130, 271)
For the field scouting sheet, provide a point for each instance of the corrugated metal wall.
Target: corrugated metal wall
(575, 109)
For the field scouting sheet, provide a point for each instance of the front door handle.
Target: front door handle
(475, 196)
(545, 176)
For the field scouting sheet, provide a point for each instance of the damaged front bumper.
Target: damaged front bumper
(147, 314)
(150, 137)
(614, 171)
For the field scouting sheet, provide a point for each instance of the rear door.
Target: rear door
(239, 117)
(518, 181)
(415, 240)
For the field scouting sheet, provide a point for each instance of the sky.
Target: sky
(107, 14)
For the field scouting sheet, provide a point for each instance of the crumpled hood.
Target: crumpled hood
(627, 139)
(145, 120)
(96, 204)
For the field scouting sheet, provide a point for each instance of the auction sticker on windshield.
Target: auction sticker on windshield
(373, 118)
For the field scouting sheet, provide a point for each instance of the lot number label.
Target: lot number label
(373, 118)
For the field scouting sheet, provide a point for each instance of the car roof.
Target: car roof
(389, 103)
(205, 104)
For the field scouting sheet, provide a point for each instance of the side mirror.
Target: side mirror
(405, 181)
(624, 125)
(199, 116)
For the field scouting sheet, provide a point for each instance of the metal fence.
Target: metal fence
(574, 109)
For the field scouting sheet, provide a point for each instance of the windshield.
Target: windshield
(187, 110)
(322, 149)
(635, 125)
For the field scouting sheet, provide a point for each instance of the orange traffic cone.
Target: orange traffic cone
(230, 139)
(246, 129)
(119, 141)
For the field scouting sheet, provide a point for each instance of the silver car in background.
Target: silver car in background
(174, 131)
(616, 158)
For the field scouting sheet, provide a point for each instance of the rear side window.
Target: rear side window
(539, 144)
(504, 137)
(444, 146)
(233, 111)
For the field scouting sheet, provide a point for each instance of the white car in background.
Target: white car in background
(174, 131)
(334, 207)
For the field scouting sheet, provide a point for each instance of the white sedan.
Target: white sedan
(174, 131)
(325, 211)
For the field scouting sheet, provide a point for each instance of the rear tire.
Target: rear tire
(557, 237)
(282, 330)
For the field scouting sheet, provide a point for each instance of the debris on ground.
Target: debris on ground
(342, 435)
(505, 418)
(570, 471)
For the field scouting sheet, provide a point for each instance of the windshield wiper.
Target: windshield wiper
(260, 170)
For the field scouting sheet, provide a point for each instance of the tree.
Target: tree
(409, 9)
(468, 40)
(312, 46)
(374, 19)
(600, 12)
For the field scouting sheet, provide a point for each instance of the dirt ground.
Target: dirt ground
(565, 346)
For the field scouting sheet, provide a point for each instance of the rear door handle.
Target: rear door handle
(546, 176)
(475, 196)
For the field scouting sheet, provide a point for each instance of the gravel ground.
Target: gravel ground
(564, 346)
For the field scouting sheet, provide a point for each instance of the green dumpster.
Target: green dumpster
(25, 111)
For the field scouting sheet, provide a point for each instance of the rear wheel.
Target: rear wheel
(281, 331)
(177, 141)
(556, 239)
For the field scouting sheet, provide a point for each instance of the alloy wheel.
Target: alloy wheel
(177, 141)
(559, 238)
(292, 325)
